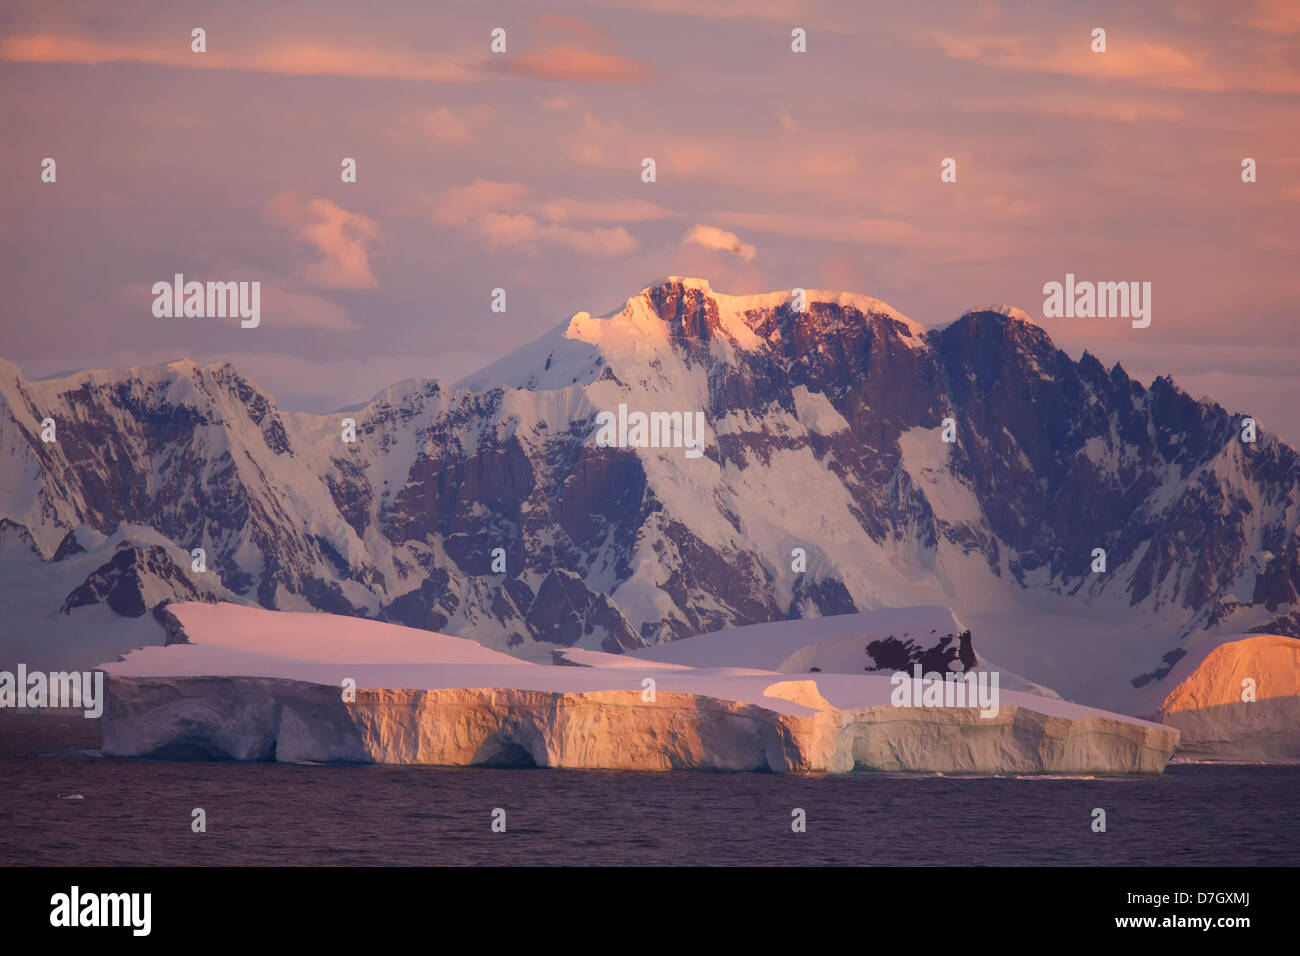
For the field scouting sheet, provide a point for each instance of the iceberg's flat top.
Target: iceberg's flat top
(228, 640)
(322, 638)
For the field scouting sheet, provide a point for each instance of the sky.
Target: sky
(522, 170)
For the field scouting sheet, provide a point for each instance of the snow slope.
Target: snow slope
(829, 644)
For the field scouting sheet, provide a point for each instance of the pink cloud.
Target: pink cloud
(577, 58)
(603, 210)
(343, 239)
(849, 229)
(1127, 57)
(457, 206)
(713, 238)
(503, 215)
(578, 65)
(296, 57)
(445, 125)
(283, 307)
(522, 230)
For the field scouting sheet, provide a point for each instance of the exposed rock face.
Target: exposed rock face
(823, 435)
(129, 578)
(1217, 720)
(244, 718)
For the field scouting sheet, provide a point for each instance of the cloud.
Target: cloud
(577, 58)
(282, 307)
(445, 125)
(458, 205)
(713, 238)
(880, 231)
(604, 210)
(1275, 16)
(504, 215)
(600, 144)
(1132, 58)
(610, 145)
(1112, 108)
(596, 242)
(579, 66)
(522, 230)
(725, 9)
(342, 238)
(580, 30)
(1270, 16)
(501, 229)
(745, 158)
(298, 57)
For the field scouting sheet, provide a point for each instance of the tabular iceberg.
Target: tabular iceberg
(247, 684)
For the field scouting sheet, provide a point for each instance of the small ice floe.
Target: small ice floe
(71, 796)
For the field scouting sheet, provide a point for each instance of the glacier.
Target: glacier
(245, 683)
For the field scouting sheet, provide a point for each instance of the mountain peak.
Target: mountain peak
(1010, 311)
(678, 313)
(685, 282)
(673, 287)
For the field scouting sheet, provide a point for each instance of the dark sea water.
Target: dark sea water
(138, 812)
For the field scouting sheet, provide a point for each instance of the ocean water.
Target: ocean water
(138, 812)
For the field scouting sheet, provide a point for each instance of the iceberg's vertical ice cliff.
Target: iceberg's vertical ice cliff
(248, 684)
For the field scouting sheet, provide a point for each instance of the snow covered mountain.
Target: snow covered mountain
(824, 432)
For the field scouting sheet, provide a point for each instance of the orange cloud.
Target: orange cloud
(343, 239)
(1126, 58)
(579, 29)
(578, 65)
(296, 58)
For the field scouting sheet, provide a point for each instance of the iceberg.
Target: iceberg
(1241, 703)
(249, 684)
